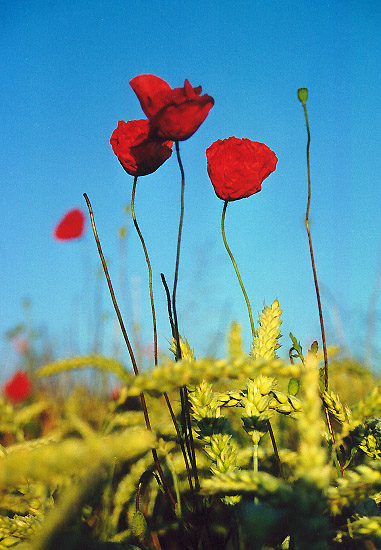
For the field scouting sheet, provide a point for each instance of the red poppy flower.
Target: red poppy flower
(173, 113)
(137, 154)
(237, 167)
(71, 226)
(19, 387)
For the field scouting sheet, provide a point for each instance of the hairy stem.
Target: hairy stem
(303, 101)
(312, 252)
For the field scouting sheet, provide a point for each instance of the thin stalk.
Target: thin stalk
(250, 317)
(183, 391)
(176, 277)
(169, 306)
(236, 268)
(277, 457)
(126, 339)
(149, 269)
(255, 465)
(175, 484)
(112, 294)
(176, 335)
(316, 282)
(185, 405)
(255, 458)
(173, 417)
(339, 467)
(312, 252)
(179, 436)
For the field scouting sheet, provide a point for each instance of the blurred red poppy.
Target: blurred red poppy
(174, 114)
(137, 154)
(71, 226)
(237, 167)
(19, 387)
(20, 344)
(115, 394)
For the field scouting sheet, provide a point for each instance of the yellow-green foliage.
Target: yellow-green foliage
(13, 420)
(52, 462)
(105, 364)
(81, 476)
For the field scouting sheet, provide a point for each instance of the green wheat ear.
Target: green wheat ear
(268, 333)
(187, 353)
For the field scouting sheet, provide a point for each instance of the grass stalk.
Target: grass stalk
(126, 339)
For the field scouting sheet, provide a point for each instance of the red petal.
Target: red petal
(138, 154)
(178, 122)
(151, 91)
(191, 93)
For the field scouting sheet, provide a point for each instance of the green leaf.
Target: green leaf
(297, 347)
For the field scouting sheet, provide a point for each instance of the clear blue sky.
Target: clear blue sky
(65, 85)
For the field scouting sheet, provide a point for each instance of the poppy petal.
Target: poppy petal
(151, 91)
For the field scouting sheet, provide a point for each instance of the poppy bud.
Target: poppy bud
(303, 95)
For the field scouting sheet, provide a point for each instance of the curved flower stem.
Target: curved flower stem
(316, 282)
(312, 252)
(149, 269)
(176, 277)
(236, 268)
(130, 351)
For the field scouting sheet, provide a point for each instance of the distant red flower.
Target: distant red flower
(19, 387)
(237, 167)
(115, 394)
(137, 154)
(20, 344)
(71, 226)
(174, 114)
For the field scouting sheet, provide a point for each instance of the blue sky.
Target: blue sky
(67, 68)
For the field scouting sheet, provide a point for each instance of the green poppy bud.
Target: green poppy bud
(139, 526)
(303, 95)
